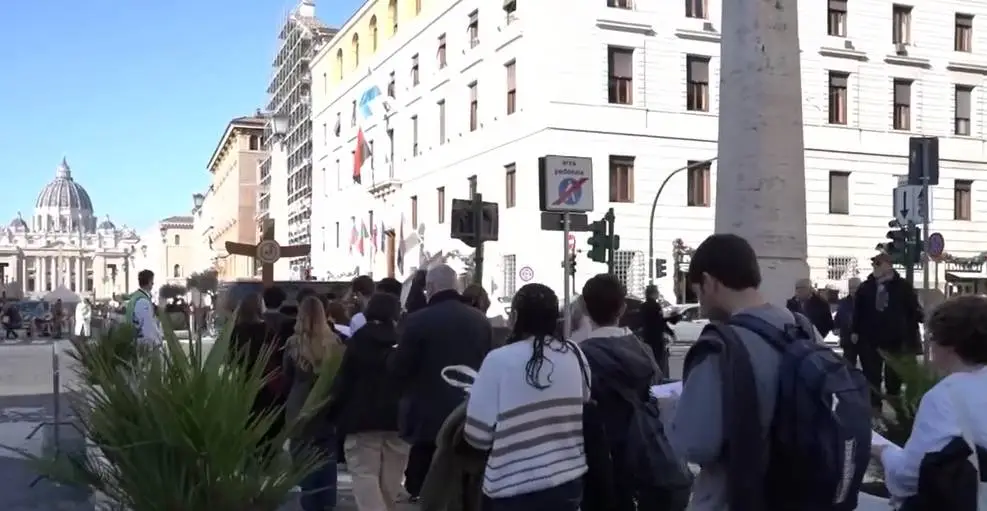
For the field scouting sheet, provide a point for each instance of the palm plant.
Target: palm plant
(177, 432)
(917, 378)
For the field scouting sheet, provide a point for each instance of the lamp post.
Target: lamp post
(654, 206)
(197, 200)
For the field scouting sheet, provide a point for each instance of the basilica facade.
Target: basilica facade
(63, 247)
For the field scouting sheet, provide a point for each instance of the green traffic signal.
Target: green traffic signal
(598, 241)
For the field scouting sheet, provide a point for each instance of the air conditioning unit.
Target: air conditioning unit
(901, 49)
(708, 27)
(848, 45)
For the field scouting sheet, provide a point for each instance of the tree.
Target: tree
(169, 291)
(206, 281)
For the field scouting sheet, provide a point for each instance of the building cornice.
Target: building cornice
(255, 123)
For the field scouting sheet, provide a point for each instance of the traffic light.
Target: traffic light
(660, 268)
(598, 241)
(897, 246)
(571, 267)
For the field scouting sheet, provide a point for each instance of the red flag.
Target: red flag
(360, 155)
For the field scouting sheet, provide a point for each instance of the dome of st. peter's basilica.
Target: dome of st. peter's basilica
(63, 245)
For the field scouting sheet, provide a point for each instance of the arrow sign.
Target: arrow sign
(911, 204)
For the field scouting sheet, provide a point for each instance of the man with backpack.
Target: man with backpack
(776, 420)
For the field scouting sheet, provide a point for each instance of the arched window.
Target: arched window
(339, 62)
(392, 11)
(254, 143)
(356, 50)
(178, 240)
(373, 33)
(177, 271)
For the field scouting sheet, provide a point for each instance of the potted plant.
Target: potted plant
(897, 417)
(176, 430)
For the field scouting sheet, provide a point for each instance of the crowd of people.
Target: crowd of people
(555, 422)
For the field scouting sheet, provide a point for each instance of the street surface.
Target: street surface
(27, 400)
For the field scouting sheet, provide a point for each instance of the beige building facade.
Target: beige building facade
(177, 252)
(234, 167)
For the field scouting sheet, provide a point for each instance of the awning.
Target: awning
(966, 275)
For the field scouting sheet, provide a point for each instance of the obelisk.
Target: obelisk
(760, 183)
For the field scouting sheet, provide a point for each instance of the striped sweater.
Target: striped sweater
(535, 436)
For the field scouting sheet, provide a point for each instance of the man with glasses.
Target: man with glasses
(886, 314)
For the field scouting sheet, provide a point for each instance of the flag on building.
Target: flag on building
(363, 236)
(361, 154)
(354, 236)
(373, 107)
(401, 246)
(373, 237)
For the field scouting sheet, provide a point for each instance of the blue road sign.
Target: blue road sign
(935, 245)
(570, 191)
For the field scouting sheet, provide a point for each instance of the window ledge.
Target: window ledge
(697, 35)
(473, 57)
(625, 26)
(384, 187)
(967, 67)
(842, 53)
(905, 60)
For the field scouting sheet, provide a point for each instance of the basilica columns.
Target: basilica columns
(760, 183)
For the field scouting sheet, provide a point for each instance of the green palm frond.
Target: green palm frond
(177, 430)
(917, 378)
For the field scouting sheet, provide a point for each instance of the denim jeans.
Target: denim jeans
(564, 497)
(319, 487)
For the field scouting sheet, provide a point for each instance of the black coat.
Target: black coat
(446, 332)
(364, 396)
(896, 327)
(817, 310)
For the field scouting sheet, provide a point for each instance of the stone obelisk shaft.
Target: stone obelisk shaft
(760, 184)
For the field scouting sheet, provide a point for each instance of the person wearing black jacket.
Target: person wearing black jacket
(654, 328)
(445, 332)
(886, 314)
(809, 304)
(364, 407)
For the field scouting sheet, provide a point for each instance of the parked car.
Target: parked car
(690, 324)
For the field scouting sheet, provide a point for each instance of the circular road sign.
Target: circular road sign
(268, 251)
(571, 197)
(571, 242)
(935, 245)
(526, 274)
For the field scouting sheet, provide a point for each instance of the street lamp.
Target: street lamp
(654, 206)
(279, 125)
(198, 199)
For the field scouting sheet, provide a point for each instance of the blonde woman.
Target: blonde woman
(312, 343)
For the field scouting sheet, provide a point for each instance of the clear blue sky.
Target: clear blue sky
(135, 93)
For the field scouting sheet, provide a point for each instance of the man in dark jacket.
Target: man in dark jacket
(886, 315)
(809, 304)
(654, 328)
(843, 320)
(445, 332)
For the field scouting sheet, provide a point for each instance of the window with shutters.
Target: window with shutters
(621, 179)
(621, 70)
(442, 121)
(964, 95)
(696, 9)
(697, 80)
(440, 204)
(391, 86)
(474, 107)
(414, 70)
(901, 24)
(440, 53)
(472, 185)
(698, 184)
(839, 193)
(962, 199)
(963, 37)
(511, 69)
(836, 22)
(374, 33)
(510, 11)
(510, 180)
(392, 12)
(902, 105)
(620, 4)
(838, 97)
(474, 28)
(414, 135)
(414, 212)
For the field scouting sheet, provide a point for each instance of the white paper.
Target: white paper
(343, 329)
(877, 440)
(667, 391)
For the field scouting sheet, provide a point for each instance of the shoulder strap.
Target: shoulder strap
(587, 386)
(778, 338)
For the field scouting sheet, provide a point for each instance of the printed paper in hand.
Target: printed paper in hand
(877, 440)
(667, 391)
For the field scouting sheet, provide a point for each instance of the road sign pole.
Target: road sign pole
(566, 290)
(926, 163)
(477, 228)
(910, 247)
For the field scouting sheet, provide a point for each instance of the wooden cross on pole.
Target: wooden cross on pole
(267, 251)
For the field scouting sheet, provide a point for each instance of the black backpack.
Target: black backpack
(820, 436)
